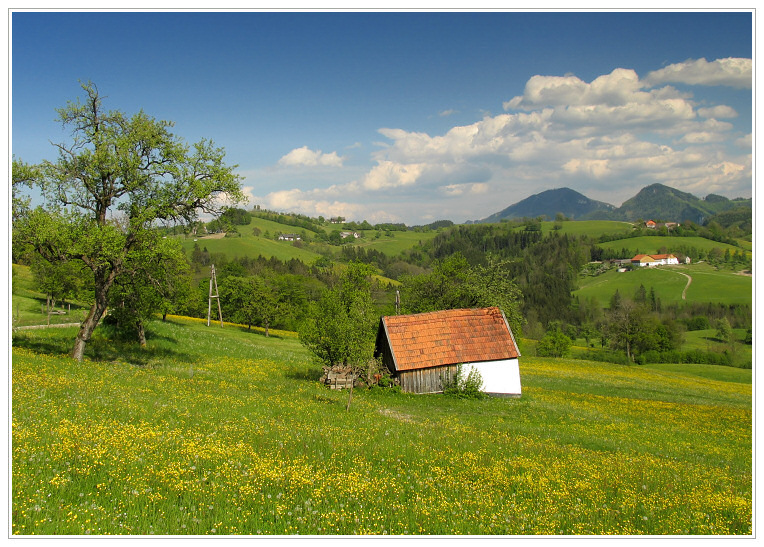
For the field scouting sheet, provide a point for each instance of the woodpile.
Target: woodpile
(340, 377)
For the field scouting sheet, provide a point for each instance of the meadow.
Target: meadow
(708, 284)
(251, 245)
(654, 244)
(214, 430)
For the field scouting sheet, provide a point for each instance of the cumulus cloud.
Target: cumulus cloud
(719, 111)
(310, 158)
(454, 190)
(732, 71)
(606, 138)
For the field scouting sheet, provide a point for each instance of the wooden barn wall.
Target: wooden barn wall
(428, 380)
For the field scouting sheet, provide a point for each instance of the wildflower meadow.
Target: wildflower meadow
(214, 430)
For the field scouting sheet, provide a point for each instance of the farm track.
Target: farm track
(689, 281)
(30, 327)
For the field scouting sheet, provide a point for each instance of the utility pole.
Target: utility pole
(397, 302)
(213, 279)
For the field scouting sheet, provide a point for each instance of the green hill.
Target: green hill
(549, 203)
(213, 430)
(660, 202)
(669, 282)
(308, 249)
(673, 244)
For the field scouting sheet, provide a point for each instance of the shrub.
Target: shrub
(457, 385)
(554, 344)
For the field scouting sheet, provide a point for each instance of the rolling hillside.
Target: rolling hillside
(669, 282)
(307, 251)
(216, 431)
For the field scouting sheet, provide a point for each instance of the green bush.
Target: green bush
(554, 344)
(457, 385)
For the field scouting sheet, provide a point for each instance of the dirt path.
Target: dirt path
(28, 327)
(689, 280)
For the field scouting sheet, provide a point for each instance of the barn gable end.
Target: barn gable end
(421, 349)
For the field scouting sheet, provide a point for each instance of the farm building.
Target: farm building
(421, 349)
(655, 260)
(289, 237)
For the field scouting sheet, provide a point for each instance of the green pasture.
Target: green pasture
(394, 244)
(217, 431)
(709, 372)
(590, 228)
(669, 282)
(653, 244)
(28, 305)
(251, 246)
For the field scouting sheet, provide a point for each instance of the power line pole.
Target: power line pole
(213, 279)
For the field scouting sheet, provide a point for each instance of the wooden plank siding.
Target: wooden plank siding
(426, 380)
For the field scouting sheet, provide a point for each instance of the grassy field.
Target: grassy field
(29, 304)
(591, 228)
(669, 282)
(214, 430)
(653, 244)
(250, 245)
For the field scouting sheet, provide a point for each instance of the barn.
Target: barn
(420, 349)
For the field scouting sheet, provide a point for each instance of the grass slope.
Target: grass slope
(220, 431)
(250, 245)
(28, 303)
(653, 244)
(708, 284)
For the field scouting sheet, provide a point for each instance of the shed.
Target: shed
(421, 349)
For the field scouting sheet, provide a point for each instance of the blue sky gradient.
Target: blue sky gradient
(412, 117)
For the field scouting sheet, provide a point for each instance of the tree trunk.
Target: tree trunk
(87, 327)
(141, 334)
(97, 311)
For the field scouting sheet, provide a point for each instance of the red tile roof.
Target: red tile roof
(449, 337)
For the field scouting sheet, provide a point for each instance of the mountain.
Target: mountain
(570, 203)
(660, 202)
(656, 202)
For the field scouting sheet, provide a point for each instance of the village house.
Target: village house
(289, 237)
(655, 260)
(650, 224)
(420, 350)
(348, 234)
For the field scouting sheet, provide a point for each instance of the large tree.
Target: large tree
(155, 278)
(454, 284)
(130, 168)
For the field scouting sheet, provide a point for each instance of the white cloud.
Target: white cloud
(719, 111)
(454, 190)
(446, 113)
(388, 174)
(733, 72)
(606, 138)
(310, 158)
(745, 142)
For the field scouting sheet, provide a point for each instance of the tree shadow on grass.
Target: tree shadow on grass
(102, 348)
(310, 374)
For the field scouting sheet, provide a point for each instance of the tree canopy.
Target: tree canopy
(116, 178)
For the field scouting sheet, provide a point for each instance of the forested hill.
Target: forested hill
(660, 202)
(549, 203)
(656, 202)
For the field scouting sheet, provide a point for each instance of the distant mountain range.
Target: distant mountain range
(657, 202)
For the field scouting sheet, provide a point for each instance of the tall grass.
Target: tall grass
(218, 431)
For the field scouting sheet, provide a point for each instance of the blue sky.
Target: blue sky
(412, 117)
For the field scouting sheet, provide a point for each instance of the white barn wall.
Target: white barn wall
(499, 377)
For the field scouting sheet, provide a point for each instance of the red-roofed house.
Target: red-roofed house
(420, 349)
(654, 260)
